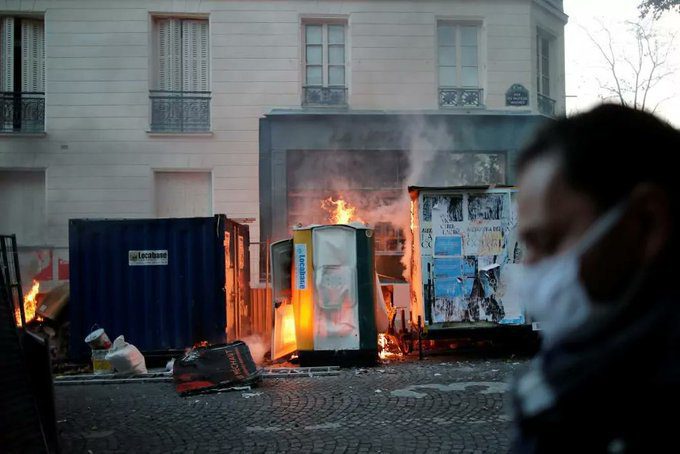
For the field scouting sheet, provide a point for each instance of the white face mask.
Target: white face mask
(551, 289)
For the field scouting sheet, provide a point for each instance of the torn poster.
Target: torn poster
(448, 246)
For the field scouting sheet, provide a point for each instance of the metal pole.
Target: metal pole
(420, 339)
(267, 295)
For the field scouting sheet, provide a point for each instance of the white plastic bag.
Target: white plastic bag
(126, 358)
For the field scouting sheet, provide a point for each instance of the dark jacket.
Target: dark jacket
(614, 387)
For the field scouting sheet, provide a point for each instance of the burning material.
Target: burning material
(340, 211)
(210, 367)
(288, 329)
(30, 305)
(387, 347)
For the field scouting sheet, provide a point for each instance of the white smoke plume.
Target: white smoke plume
(428, 151)
(258, 347)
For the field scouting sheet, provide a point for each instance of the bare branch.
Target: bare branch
(656, 106)
(610, 58)
(635, 72)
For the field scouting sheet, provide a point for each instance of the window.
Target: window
(324, 64)
(22, 75)
(458, 62)
(543, 69)
(546, 105)
(180, 101)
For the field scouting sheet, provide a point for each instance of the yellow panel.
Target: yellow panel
(303, 289)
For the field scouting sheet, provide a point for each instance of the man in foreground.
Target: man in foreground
(598, 213)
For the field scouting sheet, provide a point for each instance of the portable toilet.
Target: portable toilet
(333, 294)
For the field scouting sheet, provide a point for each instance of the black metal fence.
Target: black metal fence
(324, 96)
(22, 112)
(11, 276)
(180, 111)
(27, 413)
(460, 97)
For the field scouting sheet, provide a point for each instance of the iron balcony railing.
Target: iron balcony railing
(324, 96)
(22, 112)
(546, 105)
(180, 111)
(460, 97)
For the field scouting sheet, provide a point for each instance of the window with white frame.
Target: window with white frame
(180, 99)
(22, 74)
(324, 63)
(458, 64)
(546, 104)
(543, 62)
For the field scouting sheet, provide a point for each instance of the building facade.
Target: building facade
(153, 108)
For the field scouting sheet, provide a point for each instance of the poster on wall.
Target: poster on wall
(448, 246)
(448, 277)
(469, 238)
(484, 240)
(447, 215)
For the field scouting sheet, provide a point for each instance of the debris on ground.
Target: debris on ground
(249, 395)
(214, 366)
(161, 375)
(98, 340)
(292, 372)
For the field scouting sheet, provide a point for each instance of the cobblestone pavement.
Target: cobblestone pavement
(438, 405)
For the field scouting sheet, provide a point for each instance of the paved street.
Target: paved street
(442, 404)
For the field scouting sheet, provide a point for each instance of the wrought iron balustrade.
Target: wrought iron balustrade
(180, 111)
(324, 96)
(460, 97)
(22, 112)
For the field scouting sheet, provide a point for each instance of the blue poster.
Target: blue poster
(448, 246)
(468, 285)
(448, 282)
(448, 267)
(470, 266)
(447, 288)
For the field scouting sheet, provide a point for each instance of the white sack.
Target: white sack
(126, 358)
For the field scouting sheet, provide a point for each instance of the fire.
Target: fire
(383, 351)
(30, 305)
(288, 329)
(339, 211)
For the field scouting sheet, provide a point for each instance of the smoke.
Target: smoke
(425, 144)
(376, 181)
(258, 347)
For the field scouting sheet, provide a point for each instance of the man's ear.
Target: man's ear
(651, 208)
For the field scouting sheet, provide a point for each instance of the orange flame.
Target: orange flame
(339, 211)
(30, 305)
(383, 343)
(288, 329)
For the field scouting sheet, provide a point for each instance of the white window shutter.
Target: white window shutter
(195, 55)
(6, 54)
(32, 56)
(169, 54)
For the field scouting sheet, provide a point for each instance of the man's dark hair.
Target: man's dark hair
(607, 151)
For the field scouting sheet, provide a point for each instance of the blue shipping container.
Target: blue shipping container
(159, 282)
